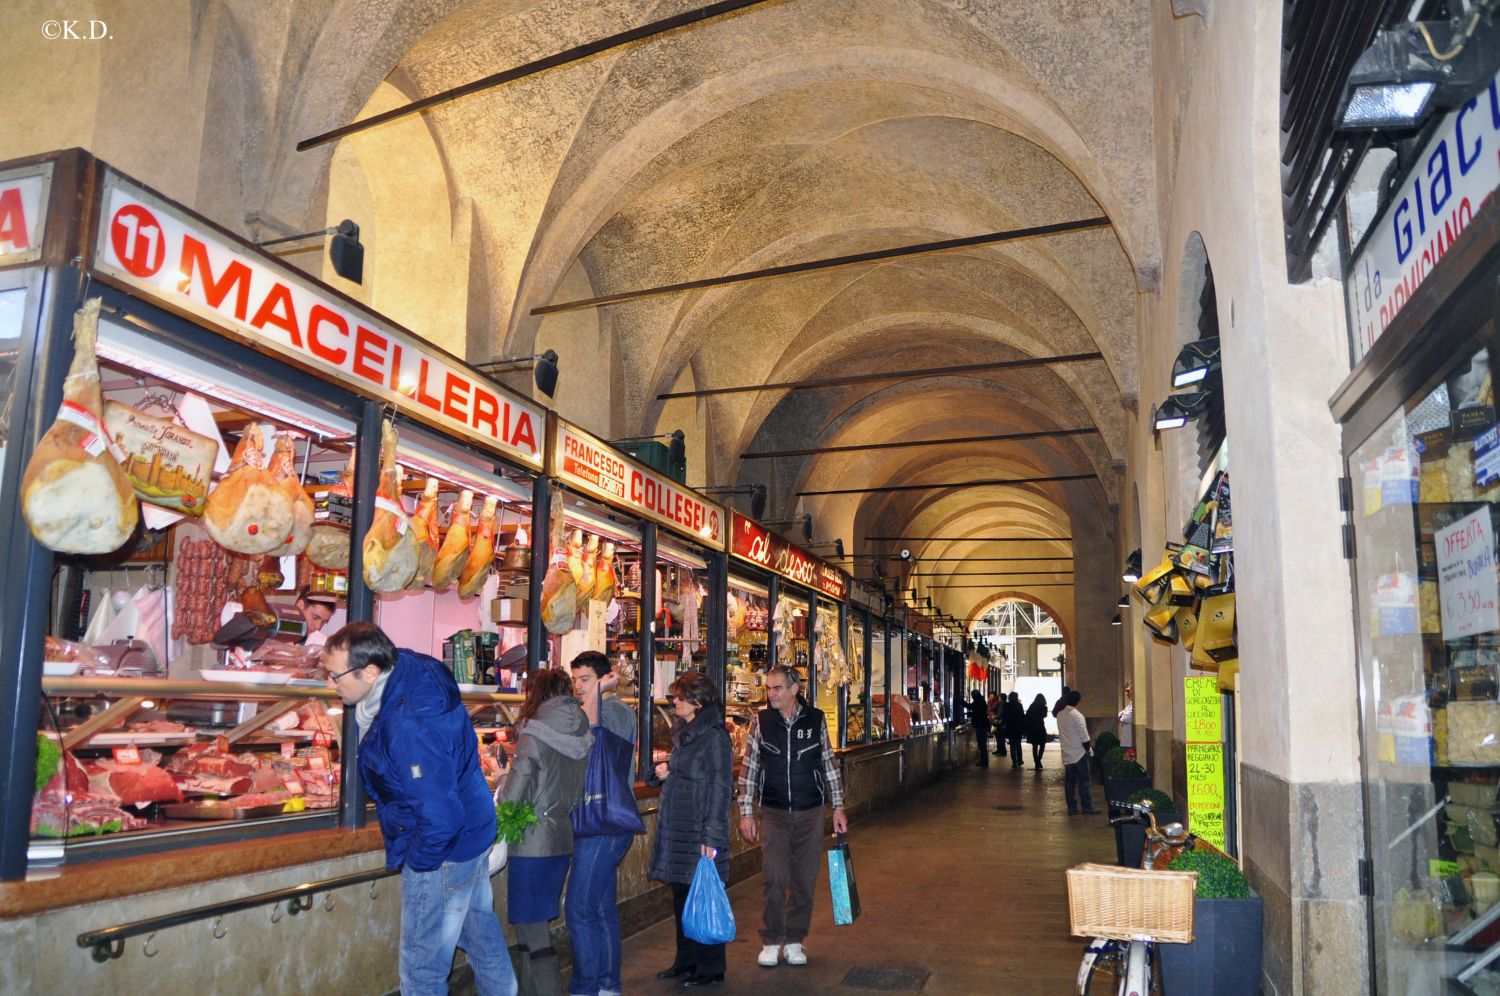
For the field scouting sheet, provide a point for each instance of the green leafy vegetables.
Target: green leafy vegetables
(48, 757)
(512, 819)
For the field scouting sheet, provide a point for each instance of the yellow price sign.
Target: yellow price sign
(1205, 791)
(1201, 710)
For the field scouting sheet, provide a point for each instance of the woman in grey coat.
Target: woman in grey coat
(693, 818)
(551, 756)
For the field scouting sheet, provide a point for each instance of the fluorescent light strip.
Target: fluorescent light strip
(582, 518)
(680, 556)
(748, 587)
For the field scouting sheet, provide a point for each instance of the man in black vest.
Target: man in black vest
(790, 767)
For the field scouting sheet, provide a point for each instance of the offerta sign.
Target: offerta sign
(23, 212)
(169, 255)
(593, 466)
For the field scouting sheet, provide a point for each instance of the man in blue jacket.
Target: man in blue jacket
(419, 762)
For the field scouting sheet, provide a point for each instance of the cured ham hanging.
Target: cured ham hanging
(390, 547)
(604, 573)
(424, 525)
(249, 511)
(481, 554)
(283, 468)
(74, 495)
(455, 549)
(329, 545)
(559, 589)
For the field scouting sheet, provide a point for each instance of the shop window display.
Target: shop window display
(1425, 488)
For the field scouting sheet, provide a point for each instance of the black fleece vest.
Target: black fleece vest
(791, 760)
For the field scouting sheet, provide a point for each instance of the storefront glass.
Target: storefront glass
(878, 690)
(1424, 489)
(12, 309)
(856, 653)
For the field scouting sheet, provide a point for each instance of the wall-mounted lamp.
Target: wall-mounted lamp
(1132, 572)
(837, 544)
(1178, 410)
(1414, 69)
(676, 445)
(344, 252)
(545, 373)
(1123, 603)
(1195, 361)
(1116, 620)
(757, 493)
(806, 520)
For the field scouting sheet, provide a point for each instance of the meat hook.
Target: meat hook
(146, 948)
(374, 892)
(328, 902)
(297, 904)
(275, 912)
(219, 930)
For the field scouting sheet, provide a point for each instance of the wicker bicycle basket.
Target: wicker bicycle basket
(1130, 904)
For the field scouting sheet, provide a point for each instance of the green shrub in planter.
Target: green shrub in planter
(1106, 742)
(1161, 803)
(1218, 877)
(1127, 769)
(1114, 755)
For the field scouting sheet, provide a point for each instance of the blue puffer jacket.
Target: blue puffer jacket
(420, 764)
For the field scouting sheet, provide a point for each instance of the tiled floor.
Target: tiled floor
(949, 884)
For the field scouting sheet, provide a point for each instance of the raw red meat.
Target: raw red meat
(259, 799)
(132, 784)
(199, 784)
(58, 812)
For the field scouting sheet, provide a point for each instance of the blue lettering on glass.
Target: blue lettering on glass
(1402, 228)
(1441, 180)
(1465, 161)
(1421, 207)
(1494, 105)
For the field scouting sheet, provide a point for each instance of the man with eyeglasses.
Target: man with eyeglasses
(791, 769)
(419, 762)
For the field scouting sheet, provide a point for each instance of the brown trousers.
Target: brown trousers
(791, 853)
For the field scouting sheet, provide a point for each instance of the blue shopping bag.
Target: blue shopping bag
(841, 883)
(607, 806)
(707, 917)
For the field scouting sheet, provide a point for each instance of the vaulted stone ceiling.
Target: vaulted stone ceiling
(791, 131)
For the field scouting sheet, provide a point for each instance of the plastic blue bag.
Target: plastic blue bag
(707, 917)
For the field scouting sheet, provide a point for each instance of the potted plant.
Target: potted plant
(1120, 779)
(1224, 956)
(1102, 756)
(1130, 838)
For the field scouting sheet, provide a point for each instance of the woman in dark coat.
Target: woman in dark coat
(1036, 729)
(1013, 717)
(693, 818)
(979, 718)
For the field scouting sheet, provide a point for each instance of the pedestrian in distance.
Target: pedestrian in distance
(552, 748)
(993, 706)
(790, 769)
(1073, 742)
(419, 763)
(1014, 717)
(1036, 728)
(979, 718)
(592, 917)
(693, 816)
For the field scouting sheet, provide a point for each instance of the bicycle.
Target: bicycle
(1128, 911)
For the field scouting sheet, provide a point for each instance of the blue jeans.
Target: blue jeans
(452, 906)
(1077, 775)
(593, 920)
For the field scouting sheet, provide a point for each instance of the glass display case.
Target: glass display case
(749, 620)
(879, 729)
(1425, 490)
(603, 552)
(855, 731)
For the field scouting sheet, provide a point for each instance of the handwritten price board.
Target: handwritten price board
(1205, 791)
(1201, 710)
(1466, 576)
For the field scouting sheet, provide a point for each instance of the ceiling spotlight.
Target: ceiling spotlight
(344, 251)
(1414, 69)
(757, 493)
(1123, 603)
(1195, 361)
(1132, 572)
(837, 544)
(1116, 620)
(1178, 410)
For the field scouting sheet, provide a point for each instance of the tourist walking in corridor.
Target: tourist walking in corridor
(791, 770)
(1013, 716)
(552, 750)
(979, 718)
(1036, 728)
(1073, 742)
(693, 817)
(592, 916)
(419, 762)
(993, 706)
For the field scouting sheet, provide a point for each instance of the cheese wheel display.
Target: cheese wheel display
(390, 547)
(328, 547)
(74, 495)
(481, 557)
(455, 549)
(249, 511)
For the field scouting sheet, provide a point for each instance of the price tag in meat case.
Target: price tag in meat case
(288, 749)
(293, 786)
(321, 739)
(127, 755)
(317, 762)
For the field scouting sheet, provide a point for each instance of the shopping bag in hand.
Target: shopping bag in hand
(841, 883)
(707, 917)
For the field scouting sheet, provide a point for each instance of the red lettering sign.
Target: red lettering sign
(23, 212)
(15, 232)
(753, 542)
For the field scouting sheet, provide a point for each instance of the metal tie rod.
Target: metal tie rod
(110, 942)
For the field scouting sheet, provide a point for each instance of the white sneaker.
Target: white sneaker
(796, 955)
(770, 954)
